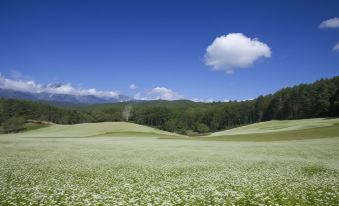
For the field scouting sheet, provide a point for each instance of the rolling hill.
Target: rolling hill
(279, 126)
(276, 130)
(96, 129)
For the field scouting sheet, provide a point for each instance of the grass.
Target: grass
(279, 126)
(96, 129)
(142, 134)
(33, 126)
(312, 133)
(121, 169)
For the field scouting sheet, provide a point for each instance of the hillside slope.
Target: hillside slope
(96, 129)
(279, 126)
(279, 130)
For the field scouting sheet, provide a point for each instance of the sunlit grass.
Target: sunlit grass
(94, 129)
(279, 126)
(313, 133)
(140, 168)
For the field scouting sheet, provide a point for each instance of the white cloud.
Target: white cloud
(132, 86)
(336, 47)
(203, 100)
(158, 93)
(218, 100)
(235, 50)
(330, 23)
(31, 86)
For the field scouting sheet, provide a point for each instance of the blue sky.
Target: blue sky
(159, 45)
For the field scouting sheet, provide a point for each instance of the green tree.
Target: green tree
(202, 128)
(14, 124)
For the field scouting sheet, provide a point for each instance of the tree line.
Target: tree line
(319, 99)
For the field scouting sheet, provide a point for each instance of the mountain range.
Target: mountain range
(61, 98)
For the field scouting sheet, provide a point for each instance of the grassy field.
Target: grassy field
(279, 126)
(96, 129)
(121, 169)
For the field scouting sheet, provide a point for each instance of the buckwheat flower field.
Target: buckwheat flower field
(152, 171)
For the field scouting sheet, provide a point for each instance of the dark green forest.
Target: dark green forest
(319, 99)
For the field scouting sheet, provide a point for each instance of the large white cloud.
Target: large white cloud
(235, 50)
(31, 86)
(330, 23)
(158, 93)
(336, 47)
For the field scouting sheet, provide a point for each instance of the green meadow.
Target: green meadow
(292, 162)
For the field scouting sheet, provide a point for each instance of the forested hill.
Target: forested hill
(319, 99)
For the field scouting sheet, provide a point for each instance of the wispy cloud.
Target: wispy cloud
(33, 87)
(158, 93)
(132, 86)
(329, 23)
(17, 75)
(235, 50)
(336, 47)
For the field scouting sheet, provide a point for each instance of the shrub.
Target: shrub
(202, 128)
(14, 124)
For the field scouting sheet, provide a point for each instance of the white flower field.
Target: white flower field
(154, 171)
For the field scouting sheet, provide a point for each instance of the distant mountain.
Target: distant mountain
(61, 98)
